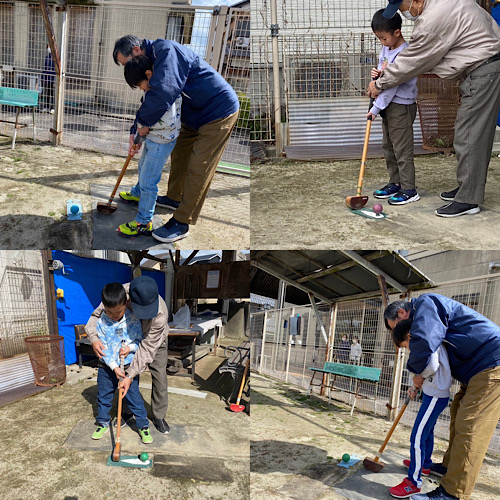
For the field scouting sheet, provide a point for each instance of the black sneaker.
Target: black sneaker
(166, 202)
(455, 208)
(124, 420)
(161, 425)
(438, 469)
(449, 195)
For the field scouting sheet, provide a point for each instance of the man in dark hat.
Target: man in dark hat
(461, 41)
(146, 305)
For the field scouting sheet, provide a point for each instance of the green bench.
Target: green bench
(353, 372)
(20, 99)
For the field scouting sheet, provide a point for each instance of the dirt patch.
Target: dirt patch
(37, 179)
(302, 205)
(297, 442)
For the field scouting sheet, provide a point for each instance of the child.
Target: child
(344, 349)
(160, 142)
(356, 351)
(398, 109)
(436, 395)
(117, 323)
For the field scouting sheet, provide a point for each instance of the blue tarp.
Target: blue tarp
(82, 282)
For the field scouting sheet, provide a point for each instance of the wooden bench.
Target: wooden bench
(82, 344)
(358, 373)
(20, 99)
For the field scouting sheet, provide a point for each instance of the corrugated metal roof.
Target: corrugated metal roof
(332, 275)
(335, 122)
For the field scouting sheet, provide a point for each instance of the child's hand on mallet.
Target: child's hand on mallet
(375, 73)
(124, 351)
(119, 373)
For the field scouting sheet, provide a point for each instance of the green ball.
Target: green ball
(346, 457)
(144, 456)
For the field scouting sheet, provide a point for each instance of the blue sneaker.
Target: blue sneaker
(387, 191)
(166, 202)
(404, 196)
(437, 494)
(172, 231)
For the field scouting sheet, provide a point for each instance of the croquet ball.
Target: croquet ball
(377, 208)
(144, 456)
(74, 209)
(346, 457)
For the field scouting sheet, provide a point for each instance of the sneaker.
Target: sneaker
(449, 195)
(128, 198)
(404, 490)
(172, 231)
(52, 111)
(134, 229)
(166, 202)
(99, 432)
(438, 494)
(125, 418)
(455, 208)
(145, 435)
(438, 469)
(387, 191)
(161, 425)
(404, 196)
(424, 472)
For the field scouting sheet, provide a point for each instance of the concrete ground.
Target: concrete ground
(48, 453)
(297, 442)
(37, 180)
(302, 205)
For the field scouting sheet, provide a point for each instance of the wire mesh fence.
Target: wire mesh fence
(23, 310)
(325, 53)
(288, 357)
(99, 107)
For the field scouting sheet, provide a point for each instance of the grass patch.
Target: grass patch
(52, 214)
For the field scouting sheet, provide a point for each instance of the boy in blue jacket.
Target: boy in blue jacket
(436, 383)
(472, 343)
(209, 112)
(115, 325)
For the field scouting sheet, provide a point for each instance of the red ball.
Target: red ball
(378, 208)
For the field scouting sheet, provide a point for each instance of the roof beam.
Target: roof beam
(272, 272)
(351, 254)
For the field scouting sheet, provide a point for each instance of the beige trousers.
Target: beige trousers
(194, 161)
(474, 412)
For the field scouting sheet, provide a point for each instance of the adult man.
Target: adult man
(150, 308)
(208, 114)
(473, 346)
(455, 40)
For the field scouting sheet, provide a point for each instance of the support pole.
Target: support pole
(276, 78)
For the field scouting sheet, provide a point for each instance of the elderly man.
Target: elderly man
(472, 343)
(147, 306)
(208, 114)
(455, 40)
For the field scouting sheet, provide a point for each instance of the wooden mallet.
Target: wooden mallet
(374, 465)
(116, 452)
(236, 407)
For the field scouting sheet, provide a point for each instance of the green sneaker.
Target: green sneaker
(145, 435)
(134, 229)
(128, 198)
(99, 432)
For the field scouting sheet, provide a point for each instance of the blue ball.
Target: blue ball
(74, 209)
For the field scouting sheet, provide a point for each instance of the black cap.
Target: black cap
(144, 297)
(392, 8)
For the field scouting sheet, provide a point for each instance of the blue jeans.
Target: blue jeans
(151, 164)
(106, 386)
(422, 436)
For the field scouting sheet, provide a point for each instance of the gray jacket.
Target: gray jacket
(449, 39)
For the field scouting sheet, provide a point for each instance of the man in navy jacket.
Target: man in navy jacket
(472, 342)
(209, 112)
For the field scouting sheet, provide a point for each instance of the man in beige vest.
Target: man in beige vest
(455, 40)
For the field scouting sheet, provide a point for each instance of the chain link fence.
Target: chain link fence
(99, 107)
(288, 357)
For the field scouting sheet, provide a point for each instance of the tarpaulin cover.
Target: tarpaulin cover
(82, 282)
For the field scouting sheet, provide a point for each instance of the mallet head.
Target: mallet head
(107, 208)
(372, 465)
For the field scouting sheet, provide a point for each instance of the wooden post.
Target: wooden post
(50, 293)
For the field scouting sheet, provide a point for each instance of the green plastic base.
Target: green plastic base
(130, 461)
(369, 214)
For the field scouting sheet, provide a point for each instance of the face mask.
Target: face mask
(354, 341)
(406, 14)
(344, 339)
